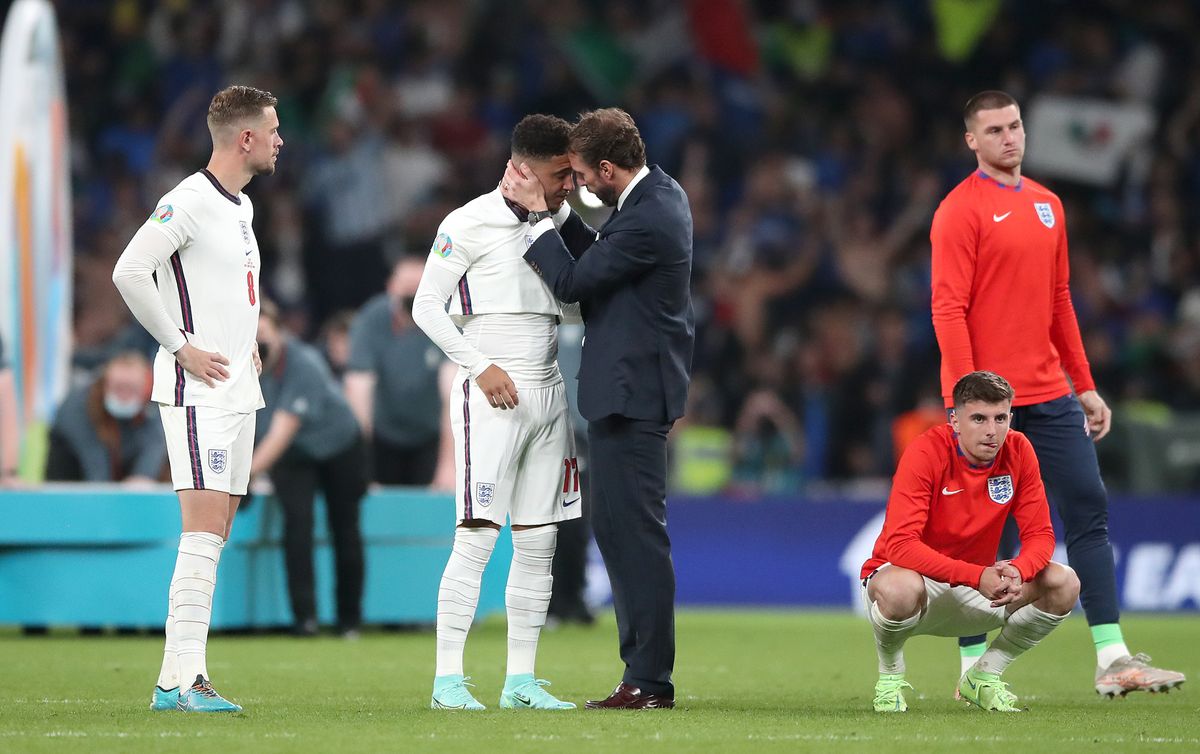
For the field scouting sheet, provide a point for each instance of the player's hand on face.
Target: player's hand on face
(521, 186)
(1099, 415)
(498, 388)
(204, 365)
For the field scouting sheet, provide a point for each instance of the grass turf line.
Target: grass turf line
(749, 681)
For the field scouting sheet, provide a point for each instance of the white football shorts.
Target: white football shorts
(517, 463)
(209, 448)
(951, 610)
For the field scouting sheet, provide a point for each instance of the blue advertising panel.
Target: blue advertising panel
(789, 552)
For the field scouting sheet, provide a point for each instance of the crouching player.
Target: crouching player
(931, 571)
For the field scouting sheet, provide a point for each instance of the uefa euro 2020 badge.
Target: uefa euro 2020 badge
(163, 214)
(1000, 488)
(442, 245)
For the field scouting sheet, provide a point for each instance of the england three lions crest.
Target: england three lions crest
(217, 460)
(484, 493)
(1000, 488)
(1045, 213)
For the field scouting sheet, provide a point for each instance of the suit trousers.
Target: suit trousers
(343, 480)
(628, 513)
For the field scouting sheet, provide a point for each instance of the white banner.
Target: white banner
(1085, 140)
(35, 218)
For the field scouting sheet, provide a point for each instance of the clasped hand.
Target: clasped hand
(1001, 583)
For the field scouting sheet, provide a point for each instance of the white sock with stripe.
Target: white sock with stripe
(890, 636)
(458, 594)
(528, 594)
(168, 674)
(1024, 629)
(192, 589)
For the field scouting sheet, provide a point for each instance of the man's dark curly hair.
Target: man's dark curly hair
(540, 137)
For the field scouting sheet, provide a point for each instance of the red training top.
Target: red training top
(945, 516)
(1000, 295)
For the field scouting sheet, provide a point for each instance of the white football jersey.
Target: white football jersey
(210, 288)
(476, 273)
(485, 243)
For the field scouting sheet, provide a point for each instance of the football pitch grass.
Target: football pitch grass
(752, 681)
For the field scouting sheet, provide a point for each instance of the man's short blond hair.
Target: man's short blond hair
(234, 105)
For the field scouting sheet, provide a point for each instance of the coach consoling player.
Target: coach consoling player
(633, 281)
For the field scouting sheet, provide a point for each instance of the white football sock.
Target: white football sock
(1023, 630)
(458, 594)
(191, 601)
(528, 594)
(969, 655)
(168, 674)
(890, 636)
(1108, 655)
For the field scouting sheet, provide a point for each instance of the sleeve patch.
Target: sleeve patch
(442, 245)
(163, 214)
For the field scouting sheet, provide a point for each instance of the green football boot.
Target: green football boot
(889, 693)
(987, 691)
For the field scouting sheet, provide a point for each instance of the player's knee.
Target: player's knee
(1060, 587)
(898, 592)
(478, 523)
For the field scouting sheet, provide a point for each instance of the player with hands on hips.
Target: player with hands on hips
(190, 275)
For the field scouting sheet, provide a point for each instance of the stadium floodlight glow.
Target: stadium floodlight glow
(589, 199)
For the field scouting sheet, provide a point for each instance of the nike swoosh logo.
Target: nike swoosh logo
(971, 683)
(522, 699)
(569, 503)
(946, 491)
(999, 218)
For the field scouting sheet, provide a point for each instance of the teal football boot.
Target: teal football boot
(450, 692)
(202, 697)
(164, 699)
(526, 692)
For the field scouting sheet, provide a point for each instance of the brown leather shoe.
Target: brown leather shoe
(625, 696)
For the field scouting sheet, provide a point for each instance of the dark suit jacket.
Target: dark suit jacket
(634, 284)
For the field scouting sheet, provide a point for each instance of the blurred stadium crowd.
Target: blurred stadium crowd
(814, 139)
